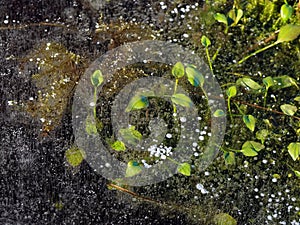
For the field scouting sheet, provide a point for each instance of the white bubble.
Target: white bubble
(201, 138)
(183, 119)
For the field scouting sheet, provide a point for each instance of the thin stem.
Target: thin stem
(265, 109)
(225, 149)
(258, 51)
(241, 112)
(95, 101)
(216, 53)
(209, 61)
(175, 87)
(175, 90)
(172, 160)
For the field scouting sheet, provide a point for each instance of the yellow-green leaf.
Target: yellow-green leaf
(224, 219)
(185, 169)
(229, 158)
(262, 135)
(118, 146)
(130, 135)
(284, 82)
(248, 82)
(238, 16)
(251, 148)
(288, 32)
(182, 99)
(297, 173)
(288, 109)
(178, 70)
(249, 120)
(205, 41)
(137, 102)
(286, 12)
(268, 82)
(221, 18)
(219, 113)
(133, 168)
(194, 76)
(75, 156)
(294, 150)
(97, 78)
(231, 91)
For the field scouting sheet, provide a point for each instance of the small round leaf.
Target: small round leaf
(97, 78)
(178, 70)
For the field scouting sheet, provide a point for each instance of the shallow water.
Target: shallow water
(49, 50)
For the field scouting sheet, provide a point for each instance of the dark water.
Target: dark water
(37, 186)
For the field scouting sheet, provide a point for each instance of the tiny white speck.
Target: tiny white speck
(168, 135)
(92, 104)
(183, 119)
(5, 21)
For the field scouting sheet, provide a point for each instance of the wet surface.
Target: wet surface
(38, 186)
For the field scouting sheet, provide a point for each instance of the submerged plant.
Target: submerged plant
(287, 33)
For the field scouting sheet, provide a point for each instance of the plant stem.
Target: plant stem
(216, 53)
(95, 101)
(174, 161)
(258, 51)
(209, 61)
(175, 90)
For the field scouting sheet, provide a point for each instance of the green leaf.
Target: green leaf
(221, 18)
(288, 32)
(178, 70)
(231, 91)
(194, 76)
(286, 12)
(249, 120)
(131, 135)
(297, 99)
(75, 156)
(294, 150)
(137, 102)
(181, 99)
(133, 168)
(219, 113)
(224, 219)
(288, 109)
(251, 148)
(268, 82)
(118, 146)
(284, 82)
(262, 135)
(229, 158)
(238, 16)
(185, 169)
(205, 41)
(248, 82)
(90, 126)
(297, 173)
(97, 78)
